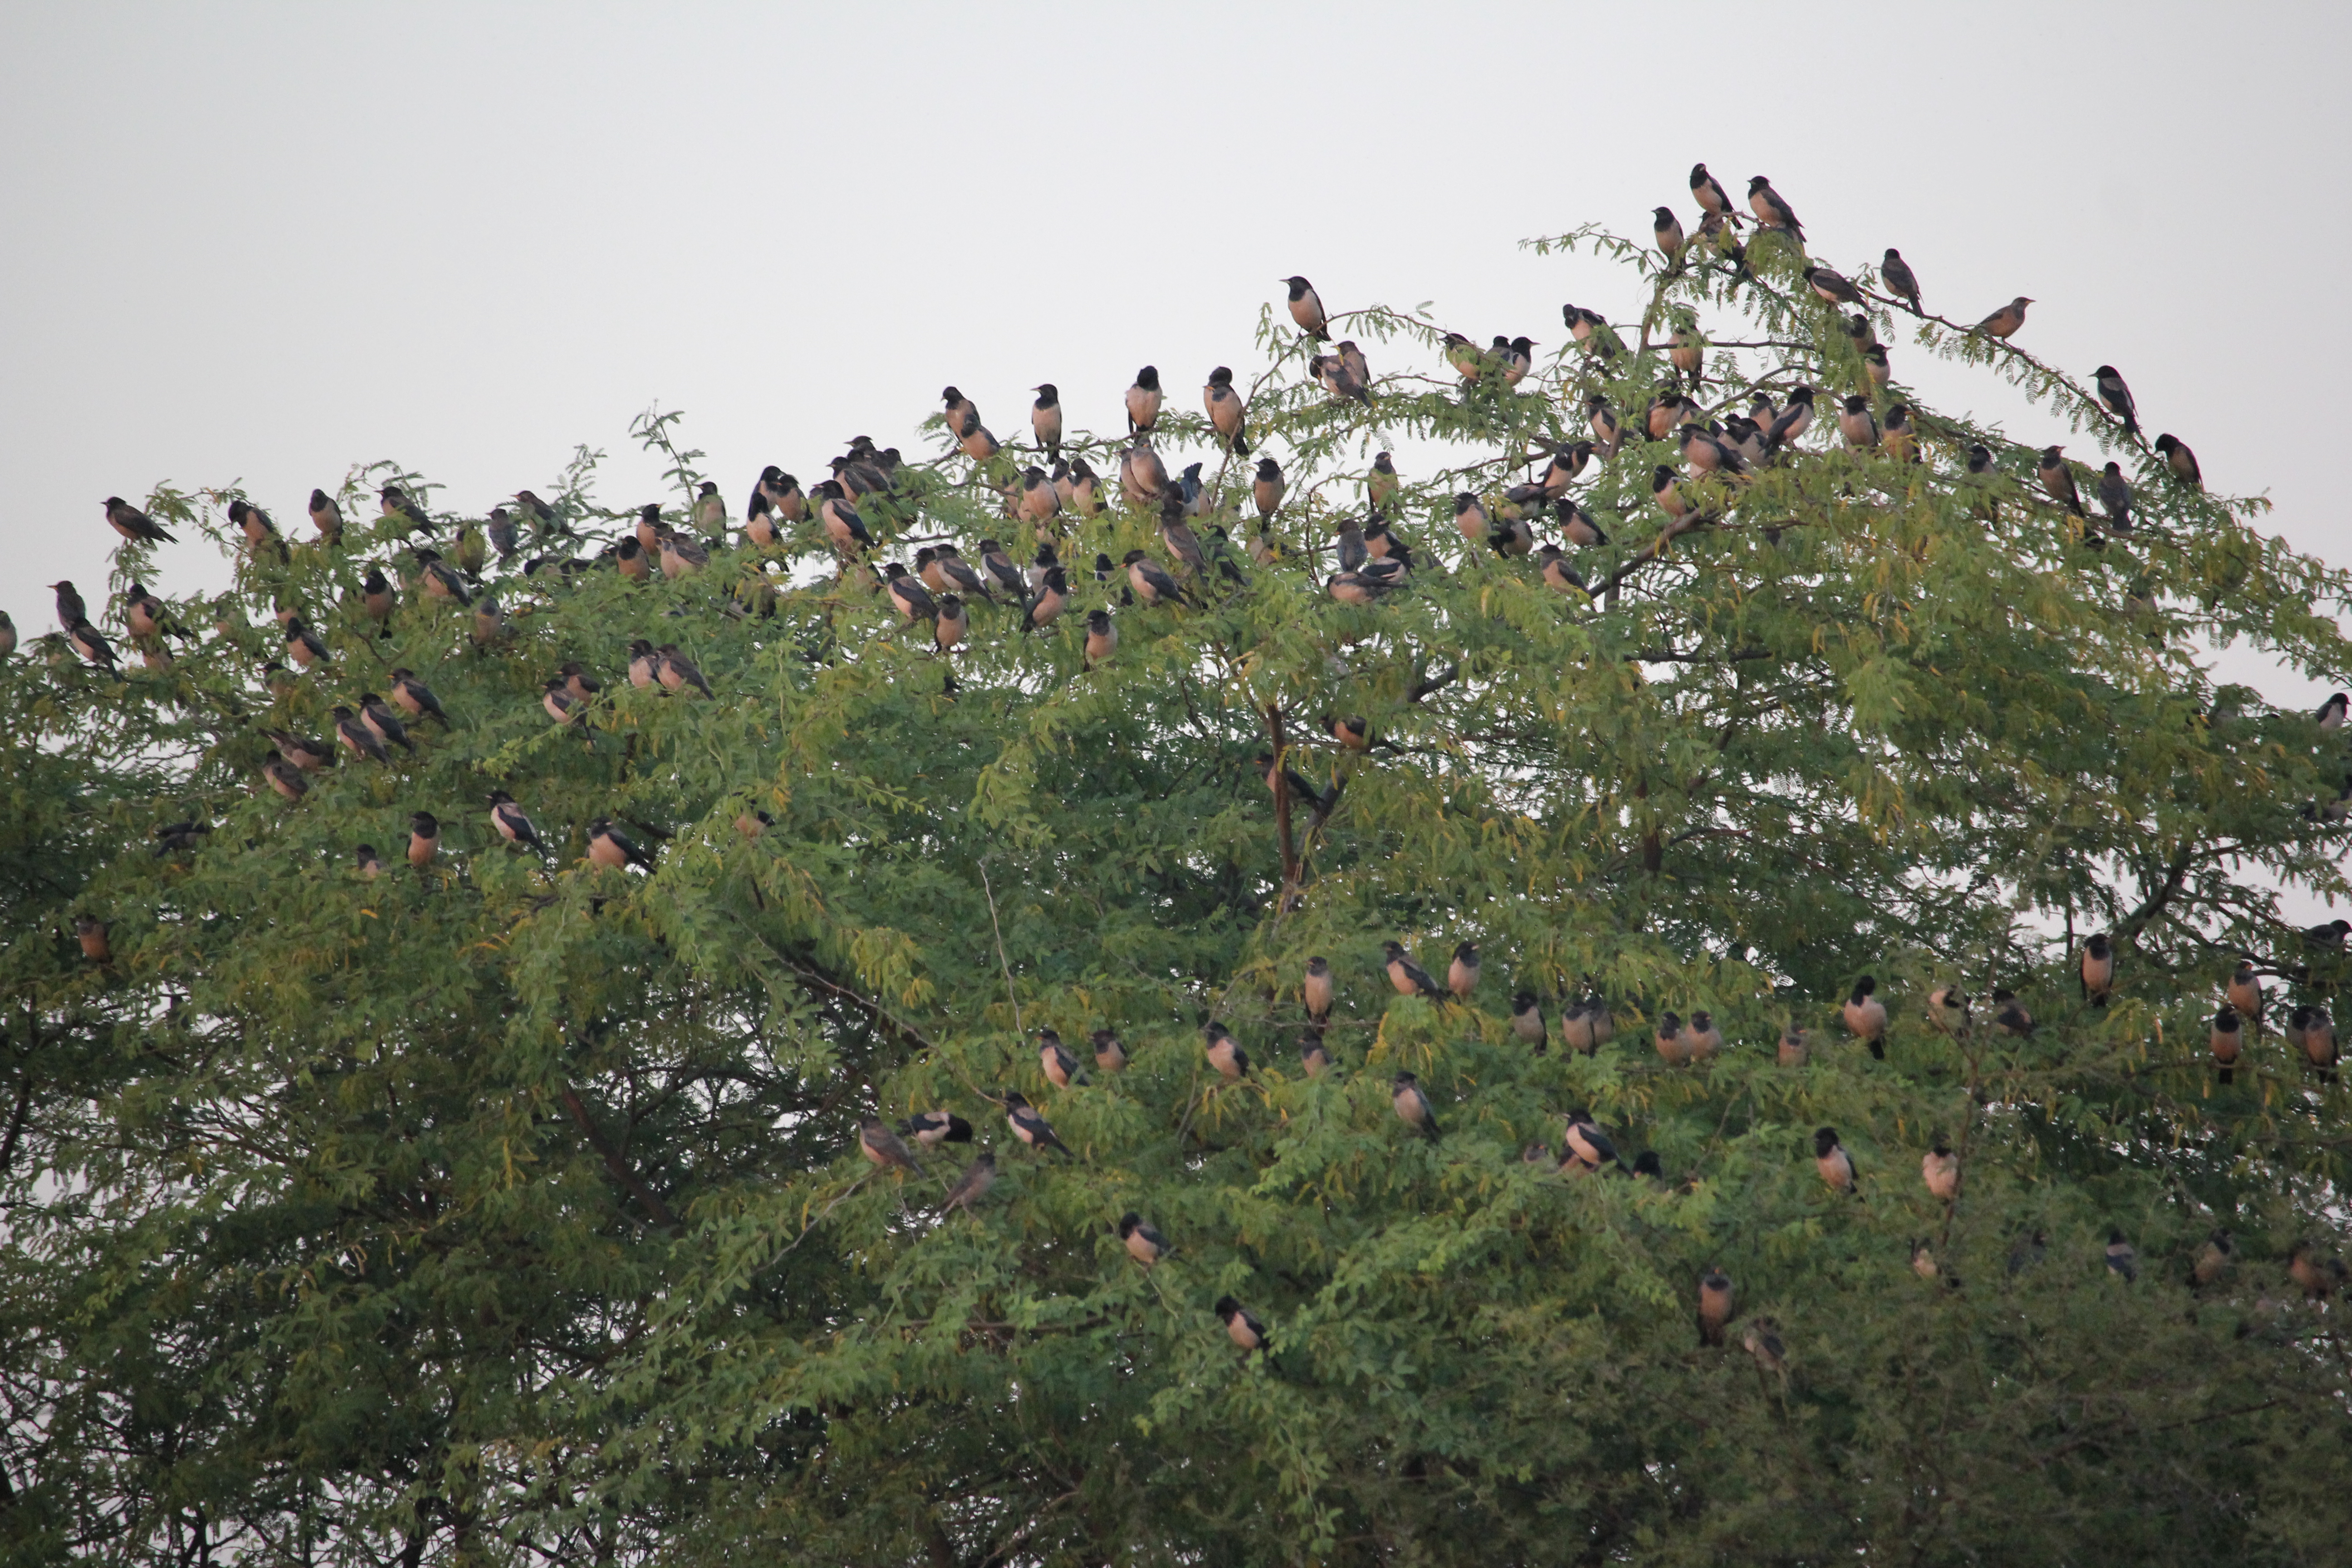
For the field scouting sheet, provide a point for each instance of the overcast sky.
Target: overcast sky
(258, 244)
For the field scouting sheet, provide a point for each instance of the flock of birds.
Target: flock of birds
(1588, 1024)
(869, 484)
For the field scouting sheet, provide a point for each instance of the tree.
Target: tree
(521, 1207)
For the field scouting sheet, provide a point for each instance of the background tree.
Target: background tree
(510, 1206)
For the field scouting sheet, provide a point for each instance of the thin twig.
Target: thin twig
(1002, 963)
(820, 1215)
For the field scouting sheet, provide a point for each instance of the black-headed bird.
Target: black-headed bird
(1054, 1060)
(424, 838)
(2226, 1041)
(1583, 1142)
(932, 1128)
(1110, 1056)
(1865, 1015)
(1306, 309)
(513, 823)
(1766, 204)
(1412, 1106)
(134, 524)
(1461, 974)
(1834, 1164)
(1033, 1131)
(1224, 1052)
(1239, 1327)
(1940, 1168)
(1895, 273)
(2180, 461)
(1527, 1021)
(1144, 1244)
(608, 846)
(1409, 978)
(2117, 397)
(1714, 1305)
(2097, 968)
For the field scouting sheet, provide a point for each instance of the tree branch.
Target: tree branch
(17, 1119)
(618, 1167)
(1282, 801)
(1428, 685)
(2127, 931)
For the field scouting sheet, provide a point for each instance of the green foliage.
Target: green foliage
(511, 1209)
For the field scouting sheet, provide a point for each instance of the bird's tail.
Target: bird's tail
(1878, 1050)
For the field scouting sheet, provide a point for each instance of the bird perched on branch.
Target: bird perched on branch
(1865, 1015)
(608, 846)
(2117, 397)
(1143, 1242)
(971, 1187)
(1940, 1168)
(1409, 978)
(1224, 1052)
(1583, 1145)
(1709, 193)
(1714, 1305)
(933, 1128)
(283, 776)
(1833, 288)
(512, 824)
(135, 525)
(2057, 476)
(1528, 1025)
(1306, 309)
(2010, 1015)
(1054, 1060)
(1766, 204)
(1239, 1327)
(1897, 274)
(913, 601)
(1667, 229)
(1227, 415)
(1110, 1056)
(1290, 780)
(1834, 1164)
(1412, 1106)
(885, 1148)
(1033, 1130)
(2097, 967)
(2226, 1041)
(2004, 322)
(326, 517)
(1461, 974)
(424, 838)
(1151, 585)
(2180, 461)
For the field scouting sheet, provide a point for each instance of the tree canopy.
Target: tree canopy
(1844, 800)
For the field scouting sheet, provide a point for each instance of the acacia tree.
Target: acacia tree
(509, 1207)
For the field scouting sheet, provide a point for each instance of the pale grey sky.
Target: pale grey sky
(261, 243)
